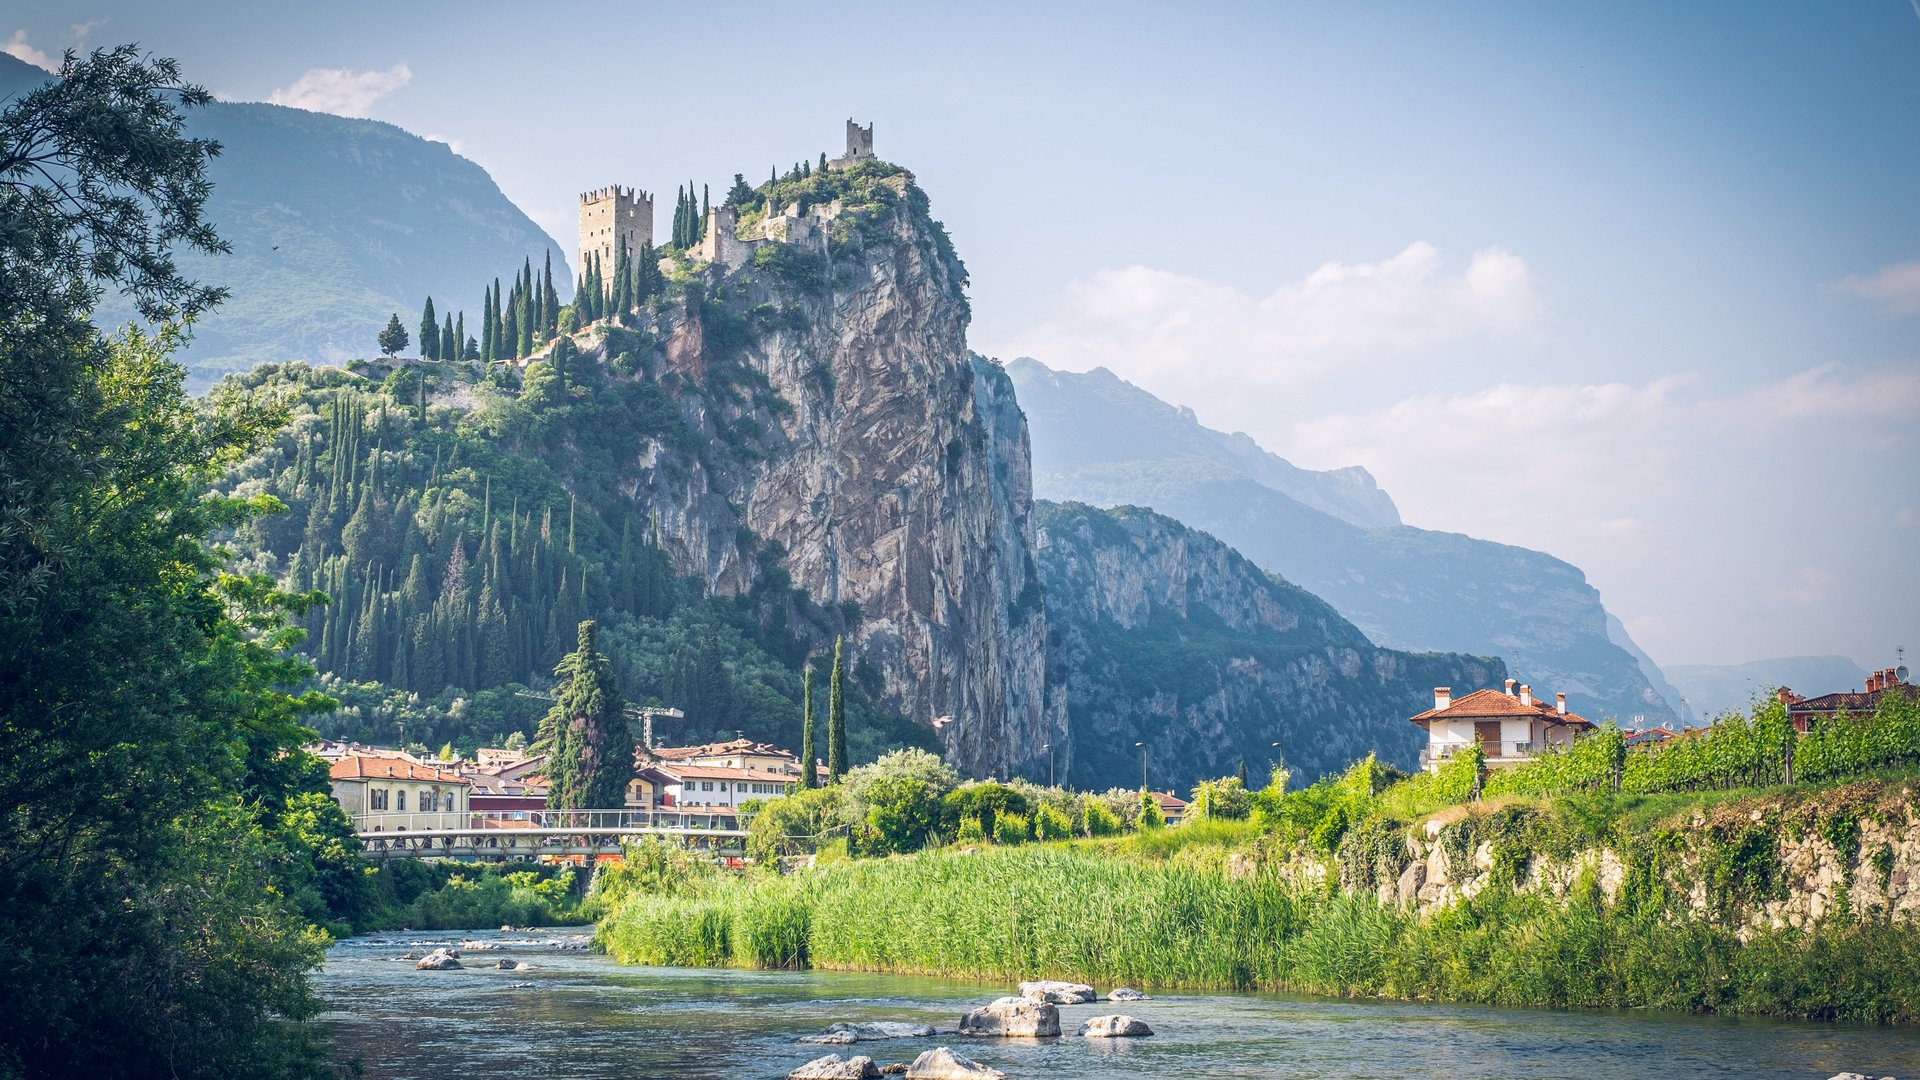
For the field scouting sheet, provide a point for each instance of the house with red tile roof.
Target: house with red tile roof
(1887, 682)
(1510, 726)
(389, 794)
(1172, 807)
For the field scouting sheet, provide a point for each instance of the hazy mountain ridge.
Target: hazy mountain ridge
(1163, 635)
(335, 224)
(1714, 689)
(1099, 440)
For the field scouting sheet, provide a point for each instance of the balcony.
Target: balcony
(1498, 753)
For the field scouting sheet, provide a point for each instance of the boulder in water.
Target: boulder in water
(1115, 1027)
(1013, 1018)
(835, 1067)
(507, 963)
(1057, 993)
(1126, 993)
(941, 1063)
(841, 1034)
(439, 960)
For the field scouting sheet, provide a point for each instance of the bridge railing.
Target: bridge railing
(506, 820)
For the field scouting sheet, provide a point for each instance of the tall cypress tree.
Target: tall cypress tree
(809, 774)
(550, 299)
(486, 327)
(460, 336)
(585, 734)
(448, 349)
(429, 333)
(836, 719)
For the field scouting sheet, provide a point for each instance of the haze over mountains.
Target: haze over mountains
(1103, 441)
(1716, 689)
(335, 224)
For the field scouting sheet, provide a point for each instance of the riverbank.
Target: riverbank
(1791, 904)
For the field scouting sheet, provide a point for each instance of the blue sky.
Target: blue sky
(1634, 284)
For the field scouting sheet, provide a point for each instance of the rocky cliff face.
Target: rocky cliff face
(1166, 636)
(841, 437)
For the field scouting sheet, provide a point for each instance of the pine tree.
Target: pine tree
(429, 333)
(394, 337)
(809, 775)
(836, 719)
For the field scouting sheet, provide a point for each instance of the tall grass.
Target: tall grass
(1072, 911)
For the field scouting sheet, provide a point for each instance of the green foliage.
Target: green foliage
(983, 803)
(163, 856)
(393, 337)
(902, 814)
(797, 824)
(1096, 820)
(585, 735)
(465, 896)
(1051, 823)
(1011, 828)
(1226, 797)
(836, 718)
(1151, 816)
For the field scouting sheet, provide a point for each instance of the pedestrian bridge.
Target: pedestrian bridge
(523, 835)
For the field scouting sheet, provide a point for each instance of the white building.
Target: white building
(1510, 726)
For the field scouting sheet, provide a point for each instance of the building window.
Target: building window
(400, 800)
(706, 785)
(377, 799)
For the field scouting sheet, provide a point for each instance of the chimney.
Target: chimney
(1442, 697)
(1560, 704)
(1526, 694)
(1510, 687)
(1873, 682)
(1785, 695)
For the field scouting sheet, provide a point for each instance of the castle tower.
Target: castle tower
(612, 218)
(859, 145)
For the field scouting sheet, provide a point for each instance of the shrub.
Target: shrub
(1151, 816)
(1011, 828)
(1051, 823)
(1097, 820)
(1226, 797)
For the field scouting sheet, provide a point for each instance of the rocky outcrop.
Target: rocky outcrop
(1117, 1026)
(439, 960)
(1013, 1018)
(1126, 993)
(839, 430)
(1166, 636)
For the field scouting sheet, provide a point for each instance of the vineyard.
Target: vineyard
(1752, 751)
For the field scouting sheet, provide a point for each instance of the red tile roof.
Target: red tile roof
(362, 767)
(723, 772)
(1851, 701)
(1493, 704)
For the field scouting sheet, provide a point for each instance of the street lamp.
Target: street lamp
(1143, 765)
(1278, 757)
(1049, 749)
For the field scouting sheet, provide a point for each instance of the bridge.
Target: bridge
(525, 835)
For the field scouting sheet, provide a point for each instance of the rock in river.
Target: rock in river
(1013, 1017)
(507, 963)
(941, 1063)
(1126, 993)
(835, 1067)
(1058, 993)
(1115, 1027)
(841, 1034)
(438, 960)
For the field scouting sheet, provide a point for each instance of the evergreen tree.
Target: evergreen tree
(550, 302)
(460, 336)
(585, 734)
(809, 775)
(706, 210)
(447, 350)
(394, 337)
(739, 195)
(823, 161)
(486, 327)
(836, 719)
(429, 333)
(806, 169)
(622, 283)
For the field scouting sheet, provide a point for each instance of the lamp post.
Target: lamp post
(1049, 749)
(1278, 757)
(1143, 765)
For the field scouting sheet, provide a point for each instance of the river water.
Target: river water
(575, 1013)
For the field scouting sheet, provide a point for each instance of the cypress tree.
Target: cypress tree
(429, 333)
(836, 719)
(809, 776)
(550, 299)
(706, 209)
(460, 336)
(823, 161)
(448, 349)
(486, 327)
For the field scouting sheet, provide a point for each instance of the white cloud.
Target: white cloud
(1152, 323)
(79, 32)
(339, 91)
(17, 47)
(1896, 287)
(453, 144)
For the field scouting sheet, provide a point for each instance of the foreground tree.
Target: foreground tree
(394, 337)
(809, 772)
(836, 719)
(585, 735)
(157, 844)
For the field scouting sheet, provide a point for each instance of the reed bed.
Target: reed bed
(1074, 911)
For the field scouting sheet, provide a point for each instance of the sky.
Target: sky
(1636, 284)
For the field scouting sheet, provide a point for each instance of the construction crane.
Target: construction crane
(643, 713)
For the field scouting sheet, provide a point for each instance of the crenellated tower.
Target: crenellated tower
(859, 145)
(612, 218)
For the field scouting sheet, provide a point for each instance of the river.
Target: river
(575, 1013)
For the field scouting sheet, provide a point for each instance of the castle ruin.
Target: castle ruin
(859, 146)
(612, 218)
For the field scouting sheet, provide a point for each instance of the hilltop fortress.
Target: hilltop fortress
(617, 217)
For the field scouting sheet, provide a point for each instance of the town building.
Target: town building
(1172, 807)
(390, 794)
(1653, 736)
(1887, 682)
(1510, 726)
